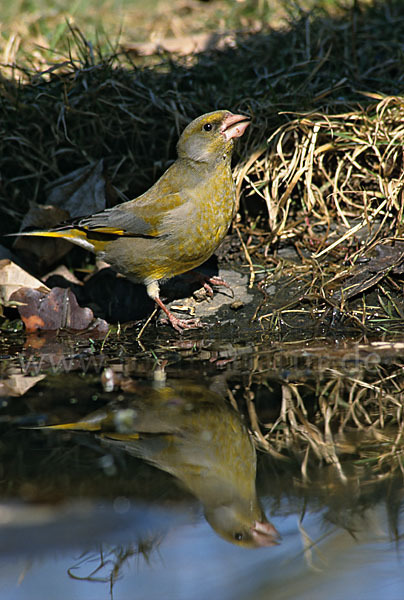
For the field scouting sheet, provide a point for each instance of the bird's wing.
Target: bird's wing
(115, 221)
(137, 218)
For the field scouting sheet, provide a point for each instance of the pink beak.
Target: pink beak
(265, 534)
(234, 126)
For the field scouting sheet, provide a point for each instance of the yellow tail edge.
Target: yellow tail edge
(77, 426)
(76, 236)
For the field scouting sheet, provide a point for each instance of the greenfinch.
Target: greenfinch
(179, 222)
(193, 434)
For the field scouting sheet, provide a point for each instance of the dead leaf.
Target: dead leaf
(57, 309)
(389, 259)
(13, 277)
(45, 251)
(81, 192)
(18, 384)
(43, 216)
(63, 271)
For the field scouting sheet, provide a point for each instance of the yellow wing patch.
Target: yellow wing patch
(121, 437)
(106, 230)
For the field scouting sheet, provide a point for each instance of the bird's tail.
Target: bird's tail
(114, 422)
(75, 426)
(71, 234)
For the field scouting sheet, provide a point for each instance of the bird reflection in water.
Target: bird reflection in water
(193, 434)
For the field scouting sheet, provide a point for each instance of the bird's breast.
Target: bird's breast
(199, 225)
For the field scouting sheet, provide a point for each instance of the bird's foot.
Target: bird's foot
(178, 324)
(216, 281)
(181, 324)
(209, 282)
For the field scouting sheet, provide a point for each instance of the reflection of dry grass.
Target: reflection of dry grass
(339, 424)
(345, 406)
(108, 565)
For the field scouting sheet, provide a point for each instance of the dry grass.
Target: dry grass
(37, 32)
(310, 165)
(342, 166)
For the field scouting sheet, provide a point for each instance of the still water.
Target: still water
(154, 488)
(190, 561)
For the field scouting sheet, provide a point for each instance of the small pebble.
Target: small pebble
(236, 305)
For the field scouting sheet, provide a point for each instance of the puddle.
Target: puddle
(198, 467)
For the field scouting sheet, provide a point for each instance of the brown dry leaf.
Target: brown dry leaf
(13, 277)
(81, 192)
(63, 271)
(41, 216)
(57, 309)
(46, 251)
(389, 259)
(18, 384)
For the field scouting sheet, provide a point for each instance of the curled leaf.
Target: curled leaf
(57, 309)
(13, 277)
(17, 384)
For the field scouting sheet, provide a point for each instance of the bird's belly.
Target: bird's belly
(195, 246)
(184, 243)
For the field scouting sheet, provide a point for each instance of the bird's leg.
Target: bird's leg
(178, 324)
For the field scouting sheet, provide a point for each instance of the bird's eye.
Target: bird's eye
(238, 536)
(207, 126)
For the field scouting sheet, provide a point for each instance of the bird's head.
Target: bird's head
(211, 136)
(237, 525)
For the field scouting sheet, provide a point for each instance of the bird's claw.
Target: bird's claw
(215, 280)
(208, 288)
(182, 324)
(219, 282)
